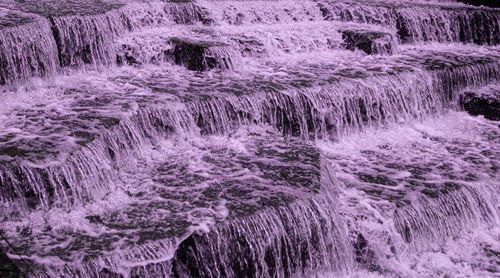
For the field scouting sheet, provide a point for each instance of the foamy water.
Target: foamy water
(248, 138)
(390, 178)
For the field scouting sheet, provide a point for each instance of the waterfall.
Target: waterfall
(188, 13)
(86, 40)
(261, 12)
(433, 219)
(303, 239)
(400, 202)
(90, 39)
(342, 108)
(331, 111)
(69, 40)
(88, 173)
(318, 138)
(420, 22)
(27, 50)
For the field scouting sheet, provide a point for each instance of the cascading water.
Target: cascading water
(27, 50)
(422, 22)
(89, 39)
(249, 138)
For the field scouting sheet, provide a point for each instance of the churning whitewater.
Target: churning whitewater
(316, 138)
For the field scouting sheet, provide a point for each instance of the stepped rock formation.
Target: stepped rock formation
(319, 138)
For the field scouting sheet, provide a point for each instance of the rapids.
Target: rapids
(154, 138)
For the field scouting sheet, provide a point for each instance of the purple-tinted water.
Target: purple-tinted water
(249, 138)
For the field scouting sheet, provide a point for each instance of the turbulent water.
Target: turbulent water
(249, 138)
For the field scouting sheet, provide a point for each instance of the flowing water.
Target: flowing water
(248, 138)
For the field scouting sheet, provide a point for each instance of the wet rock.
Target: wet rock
(106, 273)
(7, 268)
(484, 102)
(371, 42)
(186, 261)
(204, 55)
(487, 3)
(365, 256)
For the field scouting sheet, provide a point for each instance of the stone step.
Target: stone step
(259, 41)
(217, 206)
(38, 38)
(63, 143)
(204, 55)
(186, 187)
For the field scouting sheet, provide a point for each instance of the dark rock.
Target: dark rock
(371, 42)
(7, 268)
(187, 262)
(482, 103)
(204, 55)
(106, 273)
(487, 3)
(187, 12)
(365, 256)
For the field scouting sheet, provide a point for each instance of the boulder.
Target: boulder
(370, 42)
(484, 102)
(204, 55)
